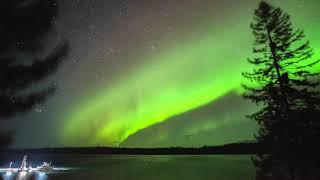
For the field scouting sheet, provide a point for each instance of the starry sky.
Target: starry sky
(151, 73)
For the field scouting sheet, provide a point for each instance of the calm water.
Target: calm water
(86, 167)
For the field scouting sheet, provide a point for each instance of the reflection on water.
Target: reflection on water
(229, 167)
(24, 176)
(95, 167)
(166, 167)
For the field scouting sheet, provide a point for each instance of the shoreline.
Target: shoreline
(228, 149)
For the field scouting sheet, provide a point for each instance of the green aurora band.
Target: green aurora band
(197, 69)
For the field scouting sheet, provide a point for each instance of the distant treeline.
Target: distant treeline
(235, 148)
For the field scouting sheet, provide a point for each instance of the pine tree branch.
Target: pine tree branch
(18, 77)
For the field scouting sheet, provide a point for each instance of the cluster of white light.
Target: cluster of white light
(23, 175)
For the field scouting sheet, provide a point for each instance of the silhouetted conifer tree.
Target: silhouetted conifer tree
(284, 85)
(25, 58)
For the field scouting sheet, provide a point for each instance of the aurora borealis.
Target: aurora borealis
(147, 73)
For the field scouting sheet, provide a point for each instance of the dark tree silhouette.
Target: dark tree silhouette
(25, 56)
(283, 83)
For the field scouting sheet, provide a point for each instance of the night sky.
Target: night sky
(153, 73)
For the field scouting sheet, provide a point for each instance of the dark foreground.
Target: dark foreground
(146, 167)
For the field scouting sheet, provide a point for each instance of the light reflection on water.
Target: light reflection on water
(24, 176)
(164, 167)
